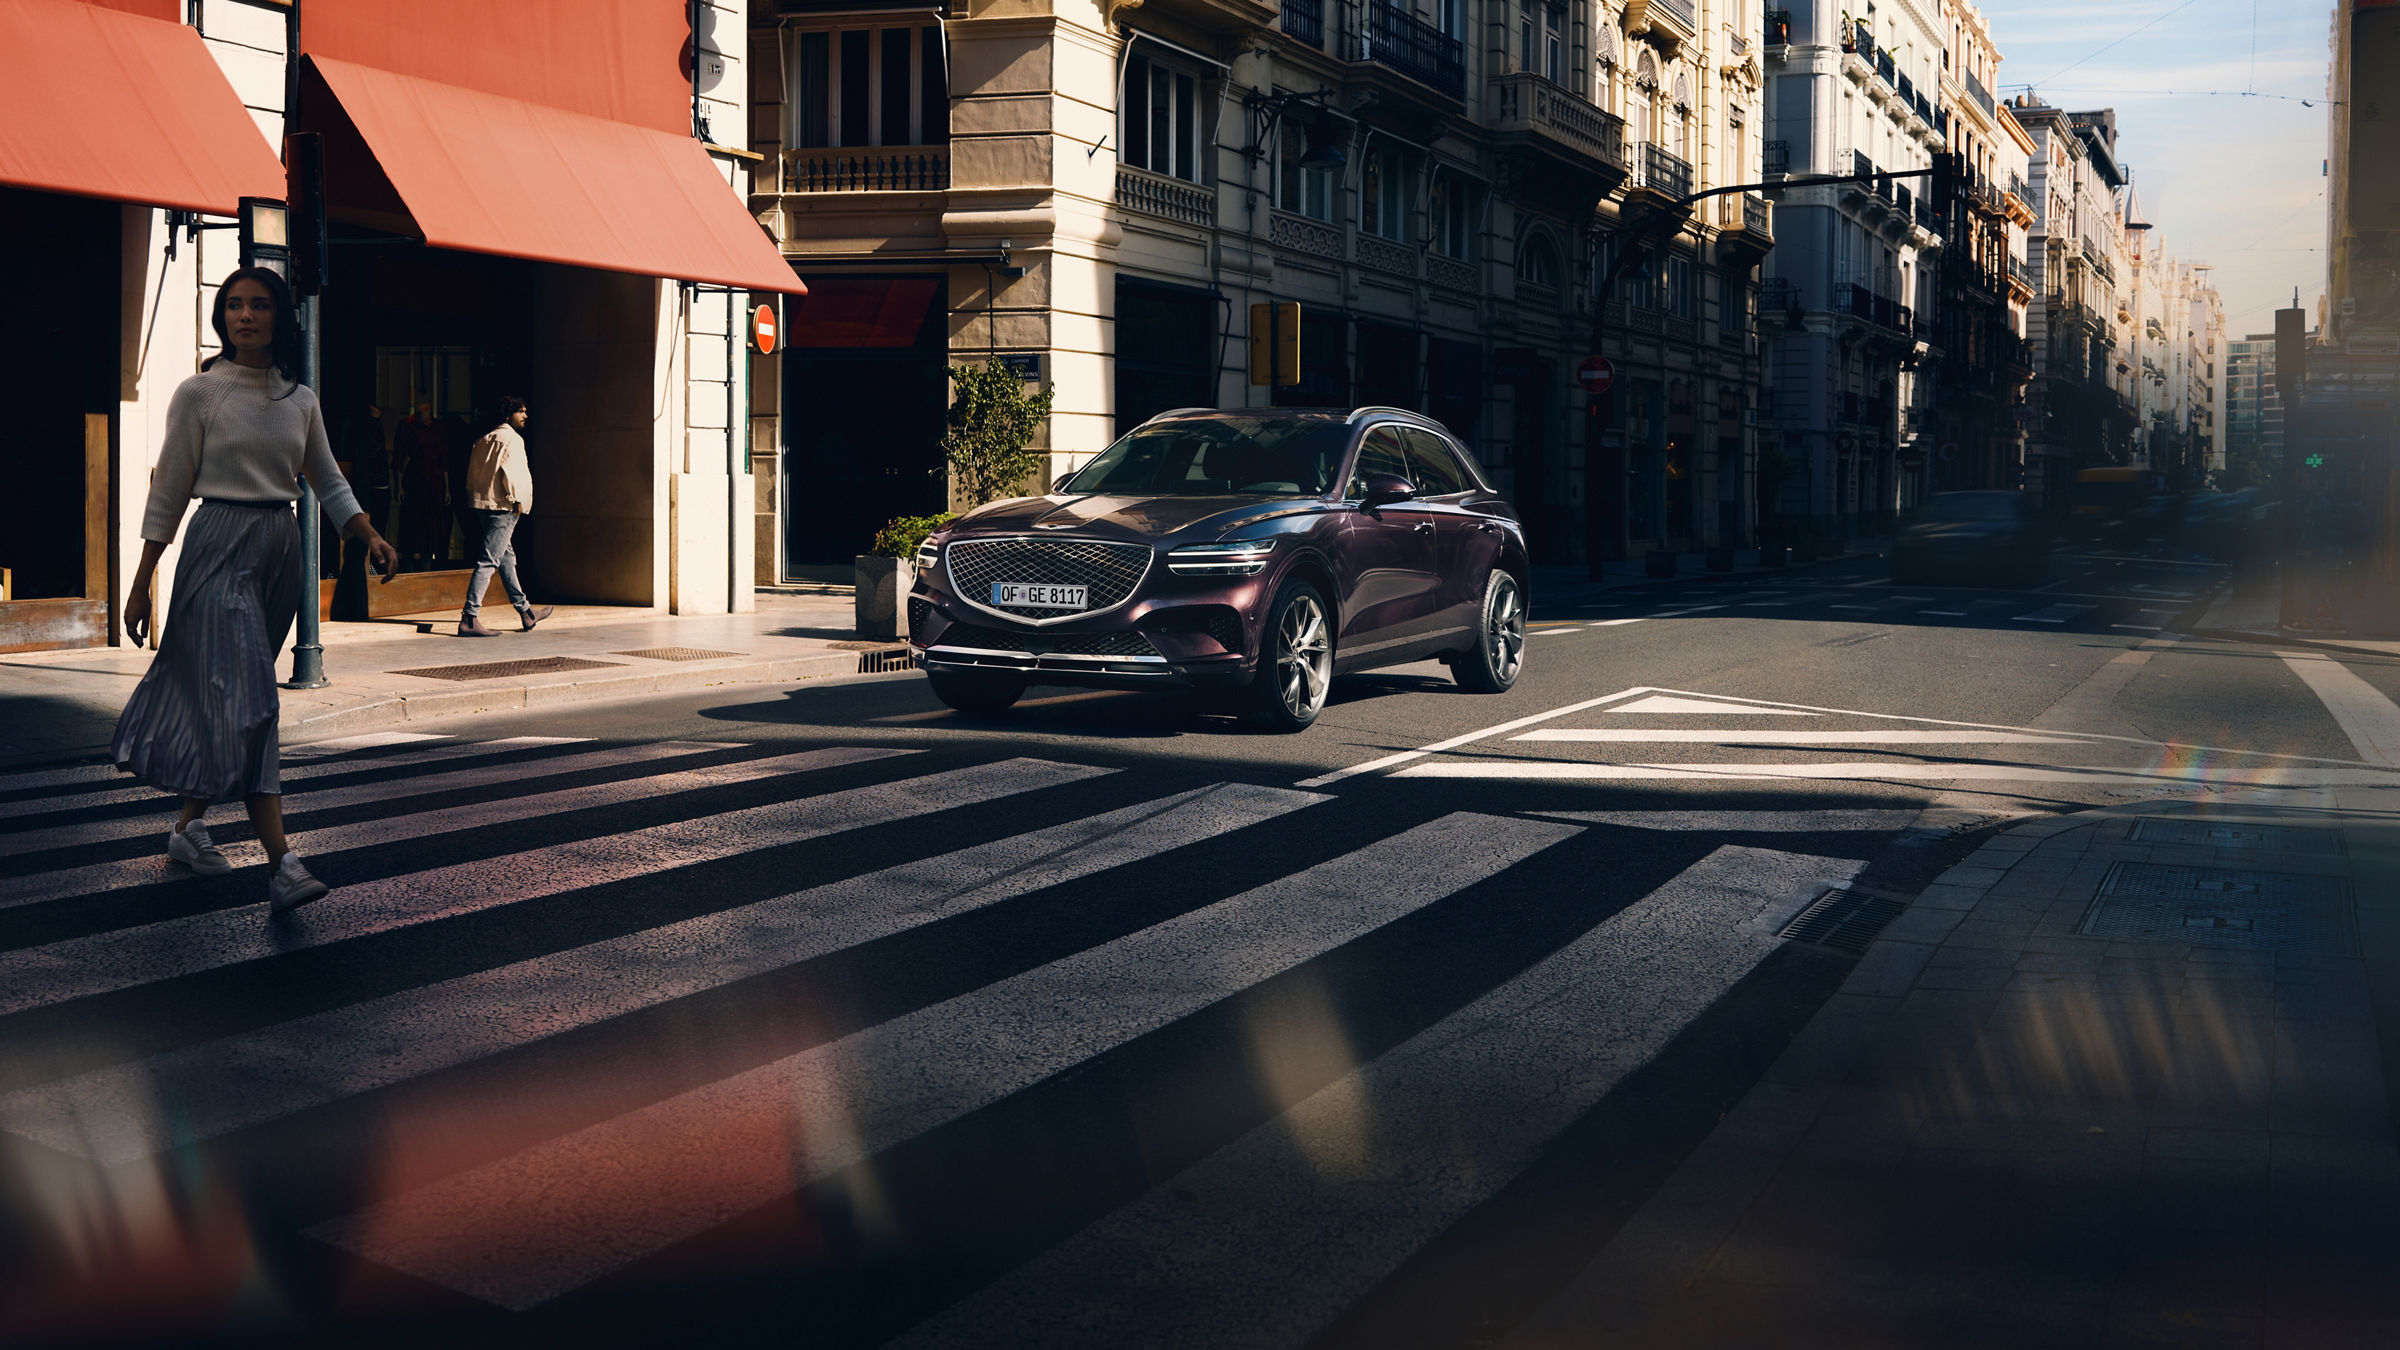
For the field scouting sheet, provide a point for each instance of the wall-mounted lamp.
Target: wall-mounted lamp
(1324, 130)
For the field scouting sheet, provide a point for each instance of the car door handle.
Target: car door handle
(1423, 527)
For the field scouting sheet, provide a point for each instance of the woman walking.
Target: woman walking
(202, 723)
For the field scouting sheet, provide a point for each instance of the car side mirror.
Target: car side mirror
(1058, 486)
(1386, 488)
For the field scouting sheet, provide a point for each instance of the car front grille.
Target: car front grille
(1109, 571)
(1121, 643)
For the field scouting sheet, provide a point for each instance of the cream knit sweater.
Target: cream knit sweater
(228, 435)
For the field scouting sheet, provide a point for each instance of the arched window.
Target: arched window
(1641, 102)
(1604, 87)
(1537, 261)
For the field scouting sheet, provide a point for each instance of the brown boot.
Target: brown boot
(477, 629)
(536, 615)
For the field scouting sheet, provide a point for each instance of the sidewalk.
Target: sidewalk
(385, 673)
(2250, 615)
(1551, 581)
(2009, 1129)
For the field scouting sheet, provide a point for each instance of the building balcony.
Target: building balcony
(1779, 27)
(1168, 198)
(1564, 133)
(1775, 159)
(1397, 41)
(1748, 224)
(1226, 17)
(1304, 21)
(1675, 21)
(1981, 96)
(891, 168)
(1661, 172)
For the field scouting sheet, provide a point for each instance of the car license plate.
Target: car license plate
(1037, 595)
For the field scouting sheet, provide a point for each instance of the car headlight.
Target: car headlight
(929, 554)
(1233, 558)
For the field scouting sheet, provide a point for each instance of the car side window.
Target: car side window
(1380, 452)
(1434, 466)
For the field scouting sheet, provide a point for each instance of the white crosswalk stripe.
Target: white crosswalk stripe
(392, 829)
(49, 837)
(640, 1190)
(1305, 1213)
(100, 773)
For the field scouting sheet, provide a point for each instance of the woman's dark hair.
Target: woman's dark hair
(283, 346)
(510, 406)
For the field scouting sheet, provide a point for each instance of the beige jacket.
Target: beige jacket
(498, 477)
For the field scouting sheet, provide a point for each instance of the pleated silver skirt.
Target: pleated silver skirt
(202, 723)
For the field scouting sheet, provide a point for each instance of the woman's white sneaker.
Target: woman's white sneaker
(191, 846)
(291, 886)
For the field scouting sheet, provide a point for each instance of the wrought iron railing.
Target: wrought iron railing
(1757, 216)
(1981, 95)
(1305, 21)
(1779, 27)
(895, 168)
(1682, 11)
(1775, 157)
(1405, 43)
(1664, 171)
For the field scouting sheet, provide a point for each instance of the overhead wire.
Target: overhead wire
(2153, 23)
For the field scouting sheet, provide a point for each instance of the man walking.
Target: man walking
(499, 490)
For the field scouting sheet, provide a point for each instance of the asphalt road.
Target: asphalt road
(824, 1016)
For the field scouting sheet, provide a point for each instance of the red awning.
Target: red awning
(863, 312)
(490, 174)
(100, 103)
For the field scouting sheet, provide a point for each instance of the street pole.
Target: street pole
(304, 156)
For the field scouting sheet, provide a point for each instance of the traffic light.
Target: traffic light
(1944, 183)
(1275, 343)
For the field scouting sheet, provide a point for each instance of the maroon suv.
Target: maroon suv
(1257, 551)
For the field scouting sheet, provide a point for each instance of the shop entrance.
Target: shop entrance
(865, 393)
(61, 351)
(1166, 350)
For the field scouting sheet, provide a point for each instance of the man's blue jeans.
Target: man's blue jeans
(495, 551)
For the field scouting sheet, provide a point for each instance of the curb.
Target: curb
(2289, 640)
(394, 709)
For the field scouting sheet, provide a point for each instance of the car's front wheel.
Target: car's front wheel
(1295, 660)
(975, 695)
(1491, 666)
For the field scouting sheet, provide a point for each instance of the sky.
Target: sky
(2225, 178)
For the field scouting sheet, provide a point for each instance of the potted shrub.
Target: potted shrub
(990, 454)
(882, 579)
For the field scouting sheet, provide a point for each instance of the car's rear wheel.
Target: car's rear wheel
(1295, 660)
(1491, 666)
(975, 695)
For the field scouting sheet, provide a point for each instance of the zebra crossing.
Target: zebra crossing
(1214, 931)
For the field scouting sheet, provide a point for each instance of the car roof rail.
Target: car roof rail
(1174, 412)
(1377, 410)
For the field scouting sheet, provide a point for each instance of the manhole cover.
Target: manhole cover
(679, 653)
(501, 670)
(2224, 907)
(2211, 834)
(1843, 919)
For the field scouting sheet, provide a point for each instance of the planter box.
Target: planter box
(881, 597)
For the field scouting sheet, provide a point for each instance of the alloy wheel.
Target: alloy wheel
(1303, 657)
(1504, 631)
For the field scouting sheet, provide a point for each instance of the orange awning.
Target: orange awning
(490, 174)
(99, 103)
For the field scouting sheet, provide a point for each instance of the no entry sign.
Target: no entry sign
(762, 329)
(1595, 374)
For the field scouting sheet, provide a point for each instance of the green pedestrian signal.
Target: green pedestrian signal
(2315, 461)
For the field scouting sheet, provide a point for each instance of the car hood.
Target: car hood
(1140, 519)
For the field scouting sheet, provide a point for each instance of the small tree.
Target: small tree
(993, 422)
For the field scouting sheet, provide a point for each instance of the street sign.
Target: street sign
(1595, 374)
(762, 329)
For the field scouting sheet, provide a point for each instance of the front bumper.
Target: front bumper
(1201, 639)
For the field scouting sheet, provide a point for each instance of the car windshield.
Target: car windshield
(1217, 456)
(1972, 506)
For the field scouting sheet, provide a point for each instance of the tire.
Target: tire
(1295, 660)
(1492, 665)
(975, 695)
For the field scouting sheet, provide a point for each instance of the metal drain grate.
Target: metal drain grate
(501, 670)
(1843, 919)
(679, 654)
(883, 662)
(2224, 907)
(2209, 834)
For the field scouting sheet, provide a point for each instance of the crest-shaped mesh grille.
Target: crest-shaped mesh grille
(1111, 571)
